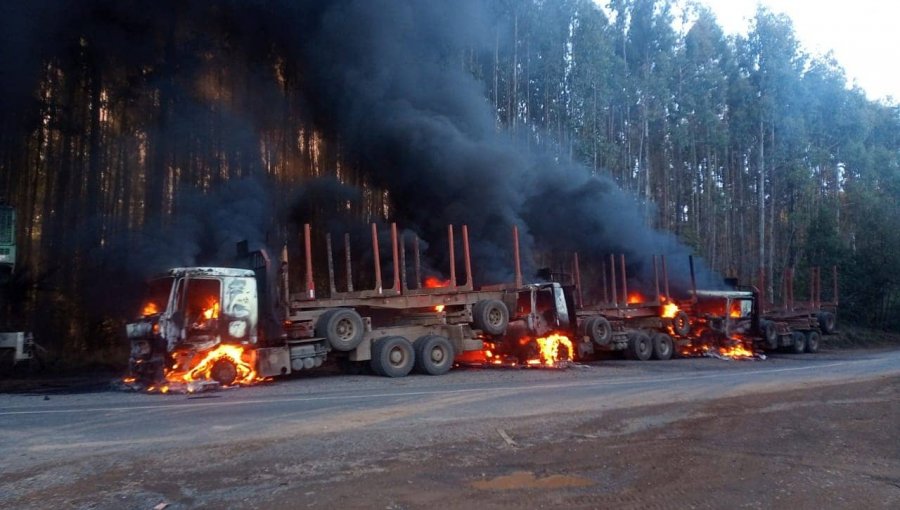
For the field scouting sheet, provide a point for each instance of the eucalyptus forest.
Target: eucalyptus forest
(137, 136)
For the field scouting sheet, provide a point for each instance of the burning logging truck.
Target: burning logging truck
(230, 325)
(733, 323)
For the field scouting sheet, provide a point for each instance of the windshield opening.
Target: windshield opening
(156, 296)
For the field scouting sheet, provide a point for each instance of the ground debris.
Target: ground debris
(178, 388)
(506, 438)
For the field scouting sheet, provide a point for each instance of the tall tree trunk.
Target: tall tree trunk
(762, 204)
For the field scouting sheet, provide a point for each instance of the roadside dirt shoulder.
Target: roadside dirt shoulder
(833, 446)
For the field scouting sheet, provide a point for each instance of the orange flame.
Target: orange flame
(635, 297)
(201, 365)
(549, 346)
(150, 308)
(211, 311)
(433, 282)
(736, 352)
(439, 308)
(669, 310)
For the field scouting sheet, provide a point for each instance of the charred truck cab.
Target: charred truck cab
(189, 311)
(726, 318)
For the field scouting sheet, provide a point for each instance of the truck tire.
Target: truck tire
(826, 322)
(769, 333)
(598, 330)
(434, 355)
(342, 327)
(663, 346)
(490, 316)
(798, 342)
(392, 356)
(812, 341)
(681, 323)
(640, 347)
(223, 372)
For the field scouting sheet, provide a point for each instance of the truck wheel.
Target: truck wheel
(223, 372)
(598, 330)
(770, 333)
(663, 347)
(681, 323)
(392, 356)
(490, 316)
(639, 346)
(798, 342)
(434, 355)
(342, 327)
(812, 341)
(826, 322)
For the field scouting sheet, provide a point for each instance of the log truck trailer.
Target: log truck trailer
(247, 323)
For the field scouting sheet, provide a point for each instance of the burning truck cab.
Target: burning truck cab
(728, 320)
(191, 312)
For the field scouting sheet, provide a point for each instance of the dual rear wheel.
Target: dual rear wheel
(395, 356)
(643, 345)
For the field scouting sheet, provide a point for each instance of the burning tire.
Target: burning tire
(342, 327)
(827, 322)
(490, 316)
(663, 347)
(770, 333)
(681, 323)
(798, 342)
(392, 356)
(434, 355)
(598, 330)
(812, 341)
(640, 347)
(223, 372)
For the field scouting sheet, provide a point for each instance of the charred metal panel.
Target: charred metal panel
(240, 313)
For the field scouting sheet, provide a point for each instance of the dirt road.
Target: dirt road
(789, 432)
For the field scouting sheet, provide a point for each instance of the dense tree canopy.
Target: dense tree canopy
(136, 136)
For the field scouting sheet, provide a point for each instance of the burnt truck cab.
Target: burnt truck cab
(189, 310)
(726, 316)
(540, 309)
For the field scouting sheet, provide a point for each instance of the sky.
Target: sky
(863, 34)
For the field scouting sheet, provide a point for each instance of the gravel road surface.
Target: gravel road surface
(792, 431)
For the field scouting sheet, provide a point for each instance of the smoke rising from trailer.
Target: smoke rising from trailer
(385, 78)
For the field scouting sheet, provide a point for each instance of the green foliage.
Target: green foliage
(690, 120)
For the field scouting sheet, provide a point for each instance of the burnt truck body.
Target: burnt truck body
(191, 312)
(618, 321)
(733, 322)
(795, 325)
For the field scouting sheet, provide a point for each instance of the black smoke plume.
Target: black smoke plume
(385, 78)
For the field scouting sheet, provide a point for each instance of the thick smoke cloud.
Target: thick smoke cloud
(385, 77)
